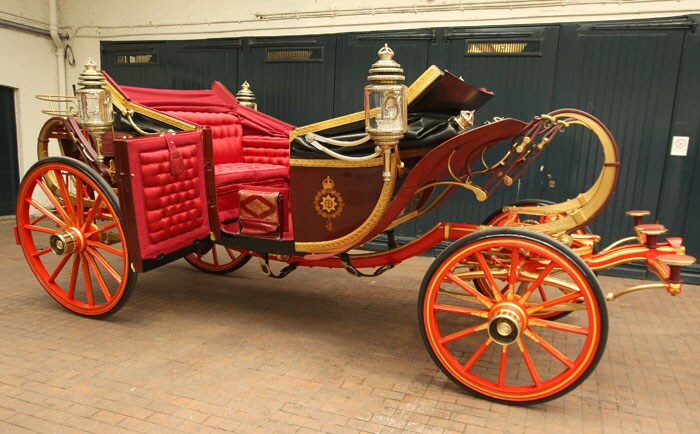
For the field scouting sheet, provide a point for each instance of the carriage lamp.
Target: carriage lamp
(386, 114)
(246, 97)
(95, 105)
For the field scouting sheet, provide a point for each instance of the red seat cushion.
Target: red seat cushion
(235, 173)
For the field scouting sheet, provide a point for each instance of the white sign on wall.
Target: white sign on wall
(679, 145)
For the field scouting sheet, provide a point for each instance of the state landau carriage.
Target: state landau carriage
(511, 310)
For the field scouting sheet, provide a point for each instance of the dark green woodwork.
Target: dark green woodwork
(638, 77)
(9, 179)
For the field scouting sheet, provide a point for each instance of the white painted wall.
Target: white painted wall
(185, 19)
(29, 66)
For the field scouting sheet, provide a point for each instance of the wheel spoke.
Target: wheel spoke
(461, 310)
(59, 267)
(88, 281)
(215, 255)
(79, 207)
(92, 212)
(513, 275)
(554, 325)
(73, 278)
(101, 229)
(549, 348)
(52, 198)
(105, 247)
(528, 363)
(98, 276)
(469, 289)
(41, 229)
(475, 357)
(107, 266)
(48, 213)
(489, 277)
(66, 196)
(537, 283)
(230, 254)
(43, 251)
(502, 365)
(462, 333)
(567, 298)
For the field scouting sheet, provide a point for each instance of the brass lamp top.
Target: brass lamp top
(386, 70)
(91, 77)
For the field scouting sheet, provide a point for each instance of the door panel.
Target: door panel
(137, 63)
(626, 78)
(292, 77)
(196, 64)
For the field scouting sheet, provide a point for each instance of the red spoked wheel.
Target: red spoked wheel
(218, 260)
(497, 344)
(69, 227)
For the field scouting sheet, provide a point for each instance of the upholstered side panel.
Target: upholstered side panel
(226, 132)
(169, 192)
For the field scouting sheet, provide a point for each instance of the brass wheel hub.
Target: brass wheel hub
(506, 321)
(68, 242)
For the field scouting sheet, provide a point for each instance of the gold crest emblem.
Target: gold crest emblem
(328, 203)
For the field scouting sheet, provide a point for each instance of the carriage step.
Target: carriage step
(638, 214)
(649, 233)
(675, 262)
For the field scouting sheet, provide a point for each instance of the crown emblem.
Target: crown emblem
(328, 203)
(328, 183)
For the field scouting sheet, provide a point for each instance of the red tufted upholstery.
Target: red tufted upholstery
(250, 148)
(226, 132)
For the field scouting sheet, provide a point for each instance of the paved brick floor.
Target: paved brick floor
(317, 351)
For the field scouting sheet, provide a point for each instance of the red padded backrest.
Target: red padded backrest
(270, 150)
(226, 133)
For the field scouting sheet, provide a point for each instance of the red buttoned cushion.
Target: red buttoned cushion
(226, 133)
(238, 173)
(269, 150)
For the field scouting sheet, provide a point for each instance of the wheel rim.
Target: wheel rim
(218, 259)
(495, 344)
(72, 238)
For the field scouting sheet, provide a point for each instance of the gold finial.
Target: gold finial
(91, 77)
(386, 69)
(246, 97)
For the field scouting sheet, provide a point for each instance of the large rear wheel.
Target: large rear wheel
(499, 344)
(69, 227)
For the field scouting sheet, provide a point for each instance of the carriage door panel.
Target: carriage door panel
(292, 77)
(518, 65)
(163, 196)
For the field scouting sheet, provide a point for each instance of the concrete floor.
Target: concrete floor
(317, 351)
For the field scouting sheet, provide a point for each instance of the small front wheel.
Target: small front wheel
(498, 343)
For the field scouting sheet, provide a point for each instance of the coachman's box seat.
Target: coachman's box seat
(250, 148)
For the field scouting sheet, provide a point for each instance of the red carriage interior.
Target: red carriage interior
(251, 153)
